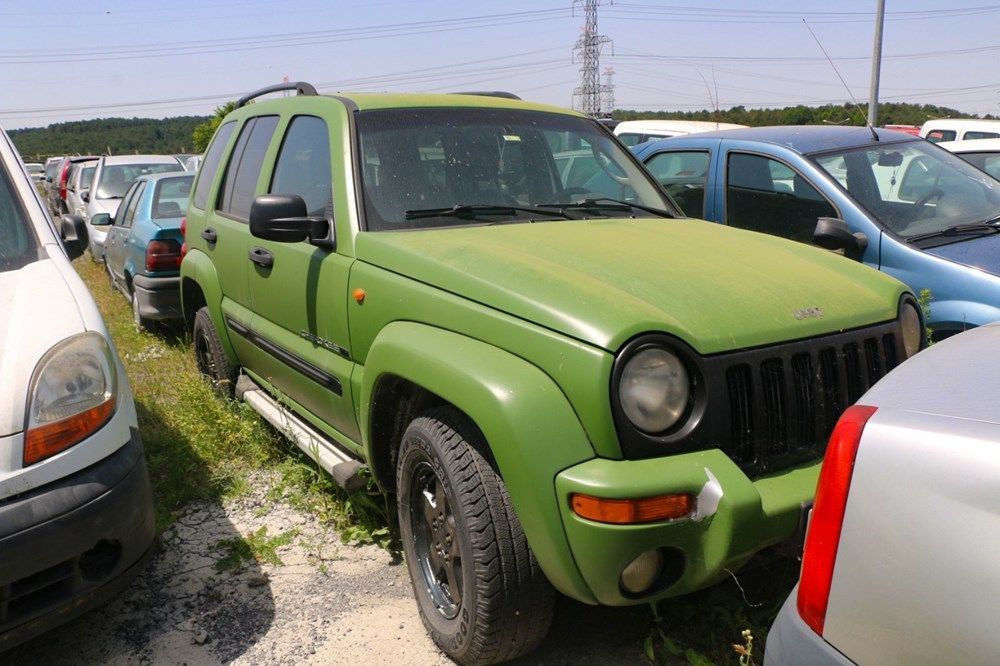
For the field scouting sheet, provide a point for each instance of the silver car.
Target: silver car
(900, 563)
(78, 187)
(112, 178)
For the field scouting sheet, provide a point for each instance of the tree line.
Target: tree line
(191, 134)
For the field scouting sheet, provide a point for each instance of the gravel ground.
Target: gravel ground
(326, 603)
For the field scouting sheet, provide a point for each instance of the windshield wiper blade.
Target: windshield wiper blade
(607, 203)
(991, 225)
(472, 211)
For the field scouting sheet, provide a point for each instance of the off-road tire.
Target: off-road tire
(506, 602)
(211, 357)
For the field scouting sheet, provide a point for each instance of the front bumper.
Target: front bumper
(735, 518)
(791, 641)
(159, 297)
(69, 546)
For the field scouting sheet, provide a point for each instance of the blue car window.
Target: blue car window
(684, 174)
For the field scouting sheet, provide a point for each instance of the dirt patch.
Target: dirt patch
(201, 601)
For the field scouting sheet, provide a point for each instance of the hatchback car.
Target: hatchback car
(112, 178)
(78, 187)
(896, 202)
(900, 558)
(57, 192)
(76, 511)
(143, 246)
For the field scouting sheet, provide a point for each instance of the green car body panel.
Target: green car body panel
(518, 326)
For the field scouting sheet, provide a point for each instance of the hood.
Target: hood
(605, 281)
(109, 206)
(27, 331)
(982, 252)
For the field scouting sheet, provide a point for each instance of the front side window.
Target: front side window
(303, 165)
(133, 204)
(765, 195)
(418, 161)
(116, 178)
(684, 174)
(211, 163)
(18, 245)
(170, 198)
(914, 189)
(245, 165)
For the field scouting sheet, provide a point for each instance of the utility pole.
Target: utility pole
(589, 49)
(608, 96)
(876, 64)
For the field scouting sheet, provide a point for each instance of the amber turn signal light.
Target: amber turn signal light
(632, 511)
(47, 440)
(359, 295)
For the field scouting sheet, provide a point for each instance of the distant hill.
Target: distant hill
(97, 137)
(846, 114)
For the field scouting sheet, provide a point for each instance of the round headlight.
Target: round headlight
(912, 330)
(654, 390)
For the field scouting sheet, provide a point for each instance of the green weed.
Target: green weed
(255, 547)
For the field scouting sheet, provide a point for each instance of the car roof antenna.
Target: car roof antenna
(846, 87)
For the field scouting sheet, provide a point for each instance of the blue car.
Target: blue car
(143, 246)
(896, 202)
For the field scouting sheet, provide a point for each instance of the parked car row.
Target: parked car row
(514, 325)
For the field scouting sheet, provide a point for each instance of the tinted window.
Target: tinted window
(980, 135)
(211, 163)
(17, 239)
(684, 175)
(765, 195)
(116, 178)
(134, 204)
(934, 136)
(241, 183)
(303, 165)
(170, 199)
(630, 138)
(988, 162)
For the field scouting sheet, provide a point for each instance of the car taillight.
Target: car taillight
(184, 227)
(63, 177)
(823, 537)
(163, 255)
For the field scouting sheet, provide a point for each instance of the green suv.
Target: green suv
(564, 389)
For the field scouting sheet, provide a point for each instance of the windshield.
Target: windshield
(170, 199)
(499, 165)
(17, 240)
(914, 188)
(115, 178)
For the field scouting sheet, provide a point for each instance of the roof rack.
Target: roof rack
(488, 93)
(300, 87)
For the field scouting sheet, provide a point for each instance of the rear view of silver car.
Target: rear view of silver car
(900, 562)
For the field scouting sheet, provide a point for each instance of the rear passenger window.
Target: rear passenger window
(935, 136)
(969, 136)
(133, 204)
(244, 166)
(765, 195)
(684, 175)
(303, 166)
(211, 163)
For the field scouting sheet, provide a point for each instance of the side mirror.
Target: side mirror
(100, 220)
(284, 218)
(833, 234)
(48, 179)
(73, 232)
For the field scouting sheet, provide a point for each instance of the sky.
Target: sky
(63, 61)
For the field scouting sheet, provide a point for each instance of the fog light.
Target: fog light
(642, 572)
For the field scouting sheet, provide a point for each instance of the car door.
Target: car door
(300, 299)
(684, 174)
(116, 241)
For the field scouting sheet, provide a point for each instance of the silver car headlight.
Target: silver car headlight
(72, 395)
(654, 390)
(913, 328)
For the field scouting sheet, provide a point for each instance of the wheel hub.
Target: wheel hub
(435, 541)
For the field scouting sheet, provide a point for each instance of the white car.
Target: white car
(959, 129)
(634, 132)
(78, 186)
(900, 562)
(982, 153)
(76, 512)
(112, 178)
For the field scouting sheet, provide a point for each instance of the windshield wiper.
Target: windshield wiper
(991, 225)
(472, 211)
(607, 203)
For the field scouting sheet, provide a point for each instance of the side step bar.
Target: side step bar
(344, 469)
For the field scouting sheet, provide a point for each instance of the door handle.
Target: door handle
(209, 235)
(261, 257)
